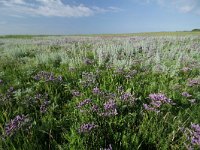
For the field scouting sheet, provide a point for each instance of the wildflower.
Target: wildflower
(76, 93)
(128, 97)
(95, 108)
(14, 124)
(85, 128)
(146, 107)
(157, 99)
(96, 90)
(110, 105)
(47, 76)
(110, 108)
(186, 94)
(1, 81)
(86, 101)
(195, 134)
(193, 82)
(43, 107)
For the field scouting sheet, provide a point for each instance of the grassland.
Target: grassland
(119, 92)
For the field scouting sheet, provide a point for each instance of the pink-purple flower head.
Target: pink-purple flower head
(186, 94)
(110, 105)
(87, 127)
(76, 93)
(96, 91)
(193, 82)
(157, 100)
(14, 124)
(159, 97)
(195, 134)
(84, 102)
(109, 109)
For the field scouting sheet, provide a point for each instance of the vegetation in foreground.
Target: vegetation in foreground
(138, 92)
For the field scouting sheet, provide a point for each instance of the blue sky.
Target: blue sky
(97, 16)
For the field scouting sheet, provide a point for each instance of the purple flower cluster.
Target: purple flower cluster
(193, 82)
(85, 128)
(195, 134)
(47, 76)
(109, 108)
(127, 97)
(43, 107)
(110, 105)
(15, 124)
(95, 108)
(85, 102)
(186, 94)
(76, 93)
(96, 91)
(157, 99)
(1, 81)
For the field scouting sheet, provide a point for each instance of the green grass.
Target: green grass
(114, 76)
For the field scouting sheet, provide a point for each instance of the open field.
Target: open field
(119, 92)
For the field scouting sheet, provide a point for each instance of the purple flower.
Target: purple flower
(146, 107)
(195, 134)
(126, 96)
(110, 105)
(47, 76)
(85, 128)
(110, 108)
(1, 81)
(95, 108)
(193, 82)
(83, 103)
(157, 99)
(14, 124)
(186, 94)
(76, 93)
(96, 90)
(43, 107)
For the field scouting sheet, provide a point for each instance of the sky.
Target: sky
(97, 16)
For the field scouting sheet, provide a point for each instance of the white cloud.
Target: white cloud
(184, 6)
(52, 8)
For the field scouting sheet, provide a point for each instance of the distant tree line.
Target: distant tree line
(195, 30)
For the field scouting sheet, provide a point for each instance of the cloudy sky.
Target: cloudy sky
(97, 16)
